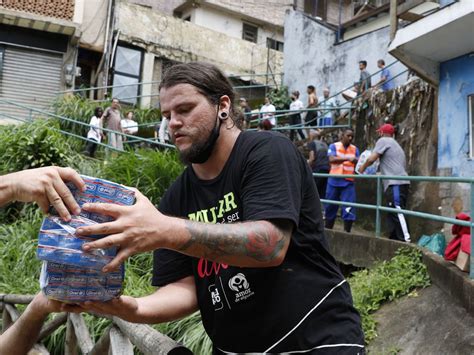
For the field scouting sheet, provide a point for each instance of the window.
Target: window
(249, 33)
(470, 109)
(127, 70)
(274, 44)
(316, 8)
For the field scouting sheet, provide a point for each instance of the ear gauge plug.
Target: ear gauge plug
(223, 115)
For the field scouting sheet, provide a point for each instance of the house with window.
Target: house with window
(249, 21)
(440, 49)
(147, 40)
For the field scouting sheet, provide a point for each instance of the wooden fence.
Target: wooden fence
(118, 339)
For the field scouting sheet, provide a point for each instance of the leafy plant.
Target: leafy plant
(280, 98)
(33, 145)
(384, 282)
(152, 172)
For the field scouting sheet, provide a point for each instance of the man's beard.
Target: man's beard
(200, 152)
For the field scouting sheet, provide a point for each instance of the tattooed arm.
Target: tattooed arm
(142, 227)
(251, 244)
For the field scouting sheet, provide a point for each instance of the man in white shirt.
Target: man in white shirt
(129, 126)
(328, 104)
(295, 118)
(267, 112)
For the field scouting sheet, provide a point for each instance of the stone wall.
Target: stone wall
(412, 109)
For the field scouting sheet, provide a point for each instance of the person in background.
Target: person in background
(112, 120)
(365, 81)
(392, 162)
(351, 94)
(94, 135)
(328, 104)
(343, 158)
(295, 118)
(129, 125)
(318, 160)
(247, 111)
(46, 187)
(311, 118)
(162, 133)
(264, 125)
(267, 111)
(386, 83)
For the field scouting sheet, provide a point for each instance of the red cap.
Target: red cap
(387, 128)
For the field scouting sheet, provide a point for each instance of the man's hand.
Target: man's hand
(170, 302)
(42, 306)
(135, 229)
(45, 186)
(124, 307)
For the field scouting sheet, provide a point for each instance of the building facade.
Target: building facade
(148, 41)
(43, 46)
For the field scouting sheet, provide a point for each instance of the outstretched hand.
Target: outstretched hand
(46, 186)
(135, 229)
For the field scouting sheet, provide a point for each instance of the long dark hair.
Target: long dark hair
(97, 110)
(206, 78)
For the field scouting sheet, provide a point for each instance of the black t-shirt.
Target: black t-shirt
(303, 304)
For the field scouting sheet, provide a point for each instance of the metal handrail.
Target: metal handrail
(235, 87)
(379, 208)
(49, 114)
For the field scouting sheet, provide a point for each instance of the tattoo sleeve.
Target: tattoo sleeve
(252, 242)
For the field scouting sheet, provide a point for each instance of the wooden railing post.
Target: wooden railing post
(119, 343)
(83, 336)
(103, 344)
(70, 344)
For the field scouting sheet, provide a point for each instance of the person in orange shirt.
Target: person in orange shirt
(343, 158)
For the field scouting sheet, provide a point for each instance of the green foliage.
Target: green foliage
(280, 98)
(151, 172)
(384, 282)
(76, 108)
(32, 145)
(20, 268)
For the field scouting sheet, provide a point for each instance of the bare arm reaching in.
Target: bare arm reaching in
(22, 335)
(44, 186)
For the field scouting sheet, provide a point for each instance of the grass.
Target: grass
(385, 282)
